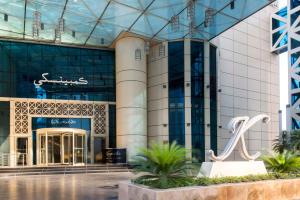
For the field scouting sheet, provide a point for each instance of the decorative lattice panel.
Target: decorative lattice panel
(25, 109)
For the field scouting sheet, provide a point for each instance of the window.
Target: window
(197, 101)
(176, 92)
(213, 98)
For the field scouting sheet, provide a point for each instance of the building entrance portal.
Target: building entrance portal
(61, 146)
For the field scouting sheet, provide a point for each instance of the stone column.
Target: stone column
(131, 95)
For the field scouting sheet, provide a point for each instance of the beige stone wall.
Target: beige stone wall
(261, 190)
(249, 79)
(157, 92)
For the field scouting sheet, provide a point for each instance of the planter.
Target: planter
(288, 189)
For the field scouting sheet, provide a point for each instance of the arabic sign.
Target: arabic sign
(64, 121)
(80, 81)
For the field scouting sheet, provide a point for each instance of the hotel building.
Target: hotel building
(79, 77)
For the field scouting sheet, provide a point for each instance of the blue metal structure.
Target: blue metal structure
(286, 37)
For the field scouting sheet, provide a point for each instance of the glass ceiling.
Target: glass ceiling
(99, 22)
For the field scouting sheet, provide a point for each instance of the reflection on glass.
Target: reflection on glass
(99, 146)
(43, 149)
(68, 150)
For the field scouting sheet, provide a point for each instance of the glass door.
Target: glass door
(42, 146)
(54, 150)
(21, 157)
(68, 149)
(79, 149)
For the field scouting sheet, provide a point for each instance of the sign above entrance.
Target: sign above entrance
(81, 81)
(65, 121)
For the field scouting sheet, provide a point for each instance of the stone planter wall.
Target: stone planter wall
(262, 190)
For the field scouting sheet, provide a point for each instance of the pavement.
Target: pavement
(102, 186)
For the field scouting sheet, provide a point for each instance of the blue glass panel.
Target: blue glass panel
(176, 92)
(294, 43)
(22, 63)
(213, 98)
(295, 124)
(294, 3)
(197, 101)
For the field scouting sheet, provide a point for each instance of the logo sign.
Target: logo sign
(80, 81)
(238, 126)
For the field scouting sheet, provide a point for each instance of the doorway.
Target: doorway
(57, 146)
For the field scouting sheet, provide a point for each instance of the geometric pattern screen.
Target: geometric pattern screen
(24, 110)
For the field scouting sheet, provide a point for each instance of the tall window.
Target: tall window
(197, 100)
(176, 92)
(213, 97)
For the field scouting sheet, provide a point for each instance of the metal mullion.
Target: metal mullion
(24, 22)
(141, 14)
(97, 22)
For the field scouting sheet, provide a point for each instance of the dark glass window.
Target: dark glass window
(112, 126)
(213, 98)
(176, 92)
(4, 127)
(22, 63)
(197, 101)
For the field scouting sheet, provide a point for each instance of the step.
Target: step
(23, 171)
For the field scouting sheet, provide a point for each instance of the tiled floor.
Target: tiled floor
(62, 187)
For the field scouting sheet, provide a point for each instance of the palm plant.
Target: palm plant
(164, 164)
(295, 139)
(281, 143)
(285, 162)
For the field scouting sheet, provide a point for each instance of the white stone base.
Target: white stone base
(232, 168)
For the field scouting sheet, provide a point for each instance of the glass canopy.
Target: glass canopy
(99, 22)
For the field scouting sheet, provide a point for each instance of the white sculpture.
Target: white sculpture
(238, 126)
(220, 168)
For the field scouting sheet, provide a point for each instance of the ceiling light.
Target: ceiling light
(36, 25)
(61, 25)
(208, 19)
(232, 5)
(191, 9)
(5, 17)
(175, 23)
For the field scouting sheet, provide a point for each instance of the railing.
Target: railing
(19, 159)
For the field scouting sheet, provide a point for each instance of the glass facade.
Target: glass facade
(197, 101)
(176, 92)
(213, 98)
(22, 63)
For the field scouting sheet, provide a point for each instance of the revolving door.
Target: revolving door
(57, 146)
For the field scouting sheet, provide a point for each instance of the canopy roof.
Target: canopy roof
(100, 22)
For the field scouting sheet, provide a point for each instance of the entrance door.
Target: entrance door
(68, 149)
(54, 150)
(21, 157)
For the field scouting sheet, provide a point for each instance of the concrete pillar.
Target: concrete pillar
(187, 96)
(131, 95)
(206, 99)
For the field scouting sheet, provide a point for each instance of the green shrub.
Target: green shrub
(295, 140)
(205, 181)
(281, 143)
(163, 165)
(285, 162)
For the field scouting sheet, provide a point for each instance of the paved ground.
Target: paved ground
(62, 187)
